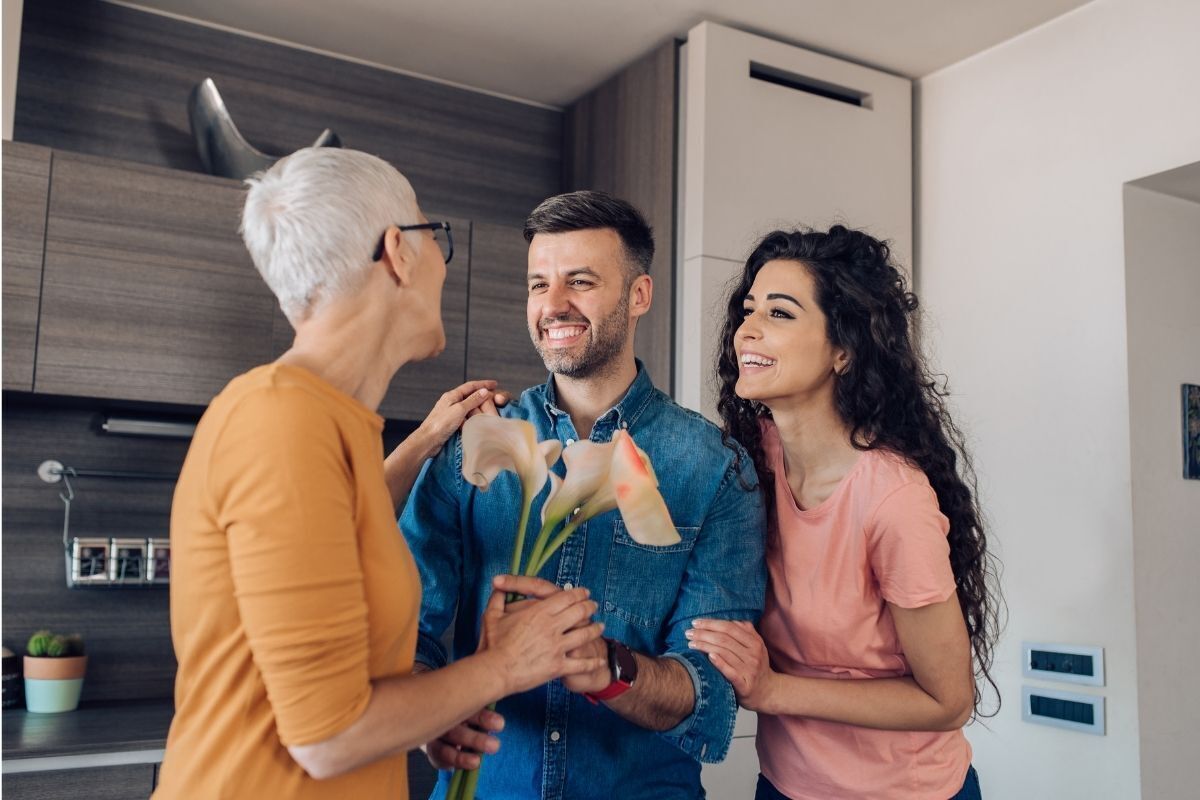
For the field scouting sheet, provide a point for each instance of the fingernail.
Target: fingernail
(483, 392)
(689, 634)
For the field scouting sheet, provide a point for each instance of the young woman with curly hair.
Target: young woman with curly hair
(881, 610)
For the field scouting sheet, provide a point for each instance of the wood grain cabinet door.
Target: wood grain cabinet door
(498, 344)
(26, 187)
(417, 386)
(128, 782)
(148, 292)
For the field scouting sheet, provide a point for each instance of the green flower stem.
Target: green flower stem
(536, 566)
(519, 544)
(465, 781)
(539, 544)
(469, 784)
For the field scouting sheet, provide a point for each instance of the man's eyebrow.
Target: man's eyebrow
(570, 273)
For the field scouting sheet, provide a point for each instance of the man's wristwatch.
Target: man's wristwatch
(622, 666)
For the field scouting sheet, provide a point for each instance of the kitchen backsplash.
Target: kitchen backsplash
(126, 630)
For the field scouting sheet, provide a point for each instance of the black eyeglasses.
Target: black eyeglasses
(447, 245)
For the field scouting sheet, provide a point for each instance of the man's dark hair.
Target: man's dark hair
(590, 210)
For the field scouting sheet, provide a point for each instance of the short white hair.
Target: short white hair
(313, 220)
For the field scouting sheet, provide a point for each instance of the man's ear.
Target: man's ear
(641, 294)
(399, 258)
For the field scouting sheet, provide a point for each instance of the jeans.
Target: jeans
(969, 790)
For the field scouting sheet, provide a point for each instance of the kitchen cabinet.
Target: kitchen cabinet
(148, 292)
(26, 189)
(498, 344)
(126, 782)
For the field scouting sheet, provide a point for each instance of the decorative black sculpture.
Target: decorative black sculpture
(222, 148)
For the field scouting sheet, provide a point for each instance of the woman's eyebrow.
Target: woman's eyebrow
(781, 296)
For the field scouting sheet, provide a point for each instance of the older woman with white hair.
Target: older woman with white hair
(294, 599)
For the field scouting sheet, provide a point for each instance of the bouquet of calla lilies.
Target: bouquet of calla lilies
(599, 478)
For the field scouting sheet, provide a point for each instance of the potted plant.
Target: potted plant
(54, 668)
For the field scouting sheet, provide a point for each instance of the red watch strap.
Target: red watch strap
(614, 689)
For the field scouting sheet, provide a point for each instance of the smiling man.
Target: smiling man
(641, 727)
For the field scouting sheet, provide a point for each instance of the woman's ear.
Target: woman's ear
(841, 361)
(398, 257)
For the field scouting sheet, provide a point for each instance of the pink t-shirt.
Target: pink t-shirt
(878, 538)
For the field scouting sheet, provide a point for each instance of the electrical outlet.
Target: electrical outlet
(1076, 712)
(1063, 662)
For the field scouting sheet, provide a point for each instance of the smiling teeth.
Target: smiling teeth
(564, 333)
(757, 361)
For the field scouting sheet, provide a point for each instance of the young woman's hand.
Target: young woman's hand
(740, 654)
(530, 641)
(450, 411)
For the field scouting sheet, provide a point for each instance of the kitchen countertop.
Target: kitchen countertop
(108, 727)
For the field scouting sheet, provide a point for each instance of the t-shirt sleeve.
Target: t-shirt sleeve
(908, 549)
(285, 498)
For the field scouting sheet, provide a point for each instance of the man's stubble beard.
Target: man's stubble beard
(606, 341)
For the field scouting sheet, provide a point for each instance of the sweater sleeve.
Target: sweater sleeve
(284, 491)
(908, 549)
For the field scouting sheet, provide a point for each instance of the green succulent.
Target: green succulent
(45, 644)
(39, 644)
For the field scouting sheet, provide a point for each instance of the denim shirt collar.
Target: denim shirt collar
(624, 414)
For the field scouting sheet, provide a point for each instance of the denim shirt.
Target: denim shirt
(557, 744)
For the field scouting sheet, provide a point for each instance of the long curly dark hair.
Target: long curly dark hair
(886, 395)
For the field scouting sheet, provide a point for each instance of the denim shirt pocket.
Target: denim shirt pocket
(643, 581)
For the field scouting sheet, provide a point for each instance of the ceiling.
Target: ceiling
(553, 51)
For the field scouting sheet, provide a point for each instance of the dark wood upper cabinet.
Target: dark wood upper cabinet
(498, 344)
(417, 386)
(148, 293)
(26, 188)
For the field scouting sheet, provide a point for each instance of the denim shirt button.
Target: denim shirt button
(608, 606)
(570, 441)
(568, 586)
(555, 736)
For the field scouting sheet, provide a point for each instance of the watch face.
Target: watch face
(623, 663)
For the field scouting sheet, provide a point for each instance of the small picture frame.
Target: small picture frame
(158, 561)
(1191, 431)
(127, 561)
(88, 561)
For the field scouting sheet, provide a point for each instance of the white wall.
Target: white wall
(12, 50)
(1162, 286)
(1022, 153)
